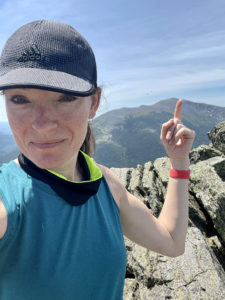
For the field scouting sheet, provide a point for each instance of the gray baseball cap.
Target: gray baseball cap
(48, 55)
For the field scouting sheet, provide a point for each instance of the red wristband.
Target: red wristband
(181, 174)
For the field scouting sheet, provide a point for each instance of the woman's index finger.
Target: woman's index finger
(177, 111)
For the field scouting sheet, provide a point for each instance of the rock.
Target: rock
(130, 289)
(153, 187)
(123, 174)
(195, 275)
(217, 136)
(198, 218)
(209, 190)
(135, 184)
(162, 166)
(218, 163)
(203, 152)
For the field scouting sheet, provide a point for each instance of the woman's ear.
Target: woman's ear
(95, 103)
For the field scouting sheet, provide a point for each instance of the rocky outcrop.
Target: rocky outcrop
(194, 275)
(217, 137)
(200, 272)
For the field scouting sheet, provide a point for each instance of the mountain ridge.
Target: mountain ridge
(115, 129)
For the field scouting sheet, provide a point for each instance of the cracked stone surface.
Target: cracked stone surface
(209, 189)
(194, 275)
(203, 152)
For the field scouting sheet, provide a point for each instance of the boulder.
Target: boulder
(203, 152)
(217, 137)
(209, 190)
(153, 187)
(196, 274)
(162, 166)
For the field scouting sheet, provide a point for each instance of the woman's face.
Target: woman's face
(49, 127)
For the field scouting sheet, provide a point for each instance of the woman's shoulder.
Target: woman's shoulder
(116, 187)
(3, 219)
(8, 166)
(6, 170)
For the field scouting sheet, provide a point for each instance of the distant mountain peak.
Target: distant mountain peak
(129, 136)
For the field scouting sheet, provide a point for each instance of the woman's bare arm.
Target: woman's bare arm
(165, 234)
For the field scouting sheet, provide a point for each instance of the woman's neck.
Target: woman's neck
(72, 170)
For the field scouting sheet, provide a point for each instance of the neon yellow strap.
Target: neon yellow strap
(94, 170)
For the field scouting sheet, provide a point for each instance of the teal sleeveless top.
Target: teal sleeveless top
(55, 251)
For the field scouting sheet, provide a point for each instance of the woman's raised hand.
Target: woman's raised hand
(176, 138)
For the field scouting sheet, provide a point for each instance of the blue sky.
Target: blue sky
(146, 50)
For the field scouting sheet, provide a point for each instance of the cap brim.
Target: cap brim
(46, 79)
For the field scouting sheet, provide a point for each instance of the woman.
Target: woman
(62, 217)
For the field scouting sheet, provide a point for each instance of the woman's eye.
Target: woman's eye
(68, 98)
(19, 100)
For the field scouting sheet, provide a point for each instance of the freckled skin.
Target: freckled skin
(49, 127)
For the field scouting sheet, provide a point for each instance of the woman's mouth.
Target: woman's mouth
(47, 144)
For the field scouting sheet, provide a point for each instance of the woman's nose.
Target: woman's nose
(43, 120)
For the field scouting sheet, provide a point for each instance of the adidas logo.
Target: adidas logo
(33, 54)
